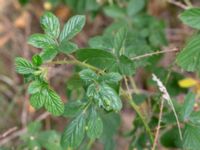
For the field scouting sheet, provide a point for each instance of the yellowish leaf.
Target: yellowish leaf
(187, 83)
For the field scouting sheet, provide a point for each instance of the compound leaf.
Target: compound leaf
(67, 47)
(72, 27)
(119, 41)
(191, 138)
(74, 133)
(37, 100)
(135, 6)
(110, 78)
(95, 125)
(105, 96)
(96, 57)
(188, 105)
(41, 41)
(88, 76)
(191, 17)
(73, 108)
(50, 24)
(53, 103)
(23, 66)
(188, 58)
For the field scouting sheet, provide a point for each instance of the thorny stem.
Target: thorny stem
(76, 62)
(159, 123)
(154, 53)
(136, 108)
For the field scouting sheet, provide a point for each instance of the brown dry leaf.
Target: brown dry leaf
(63, 12)
(21, 21)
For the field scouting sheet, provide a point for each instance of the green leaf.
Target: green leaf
(126, 66)
(101, 42)
(106, 60)
(74, 133)
(111, 124)
(135, 6)
(188, 58)
(48, 54)
(72, 27)
(114, 11)
(53, 102)
(188, 105)
(23, 66)
(110, 78)
(191, 138)
(37, 60)
(67, 47)
(74, 82)
(73, 108)
(34, 127)
(41, 41)
(35, 86)
(38, 100)
(171, 139)
(50, 140)
(105, 96)
(50, 24)
(191, 17)
(99, 58)
(95, 125)
(119, 41)
(88, 76)
(195, 118)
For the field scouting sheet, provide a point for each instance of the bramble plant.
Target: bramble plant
(104, 75)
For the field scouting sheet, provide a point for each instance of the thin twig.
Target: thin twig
(159, 123)
(13, 136)
(8, 132)
(24, 113)
(154, 53)
(179, 4)
(42, 116)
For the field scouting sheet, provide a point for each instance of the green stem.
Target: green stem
(133, 84)
(76, 62)
(154, 53)
(89, 145)
(136, 108)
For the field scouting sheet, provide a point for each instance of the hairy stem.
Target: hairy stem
(154, 53)
(136, 108)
